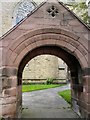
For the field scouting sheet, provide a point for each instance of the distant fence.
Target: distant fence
(43, 81)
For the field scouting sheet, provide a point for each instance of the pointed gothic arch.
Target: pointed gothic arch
(22, 9)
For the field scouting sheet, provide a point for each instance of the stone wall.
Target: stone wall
(7, 14)
(44, 67)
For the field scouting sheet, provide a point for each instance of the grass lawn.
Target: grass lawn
(29, 88)
(66, 94)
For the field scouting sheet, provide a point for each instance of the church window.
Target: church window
(23, 9)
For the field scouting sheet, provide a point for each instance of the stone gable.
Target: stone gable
(40, 17)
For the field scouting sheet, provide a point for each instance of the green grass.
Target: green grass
(66, 94)
(29, 88)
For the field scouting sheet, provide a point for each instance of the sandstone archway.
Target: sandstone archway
(58, 42)
(71, 61)
(64, 36)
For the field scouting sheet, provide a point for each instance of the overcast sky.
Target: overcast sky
(35, 0)
(40, 1)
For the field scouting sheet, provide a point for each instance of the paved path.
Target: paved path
(46, 104)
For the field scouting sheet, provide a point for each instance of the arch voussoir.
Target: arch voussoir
(81, 58)
(31, 34)
(49, 36)
(21, 55)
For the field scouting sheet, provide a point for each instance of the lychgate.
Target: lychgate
(50, 29)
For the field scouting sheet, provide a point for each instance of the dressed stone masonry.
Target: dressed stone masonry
(14, 12)
(64, 36)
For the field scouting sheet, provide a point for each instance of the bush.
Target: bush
(25, 82)
(49, 81)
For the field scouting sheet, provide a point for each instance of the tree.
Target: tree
(81, 9)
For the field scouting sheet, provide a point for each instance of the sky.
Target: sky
(38, 0)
